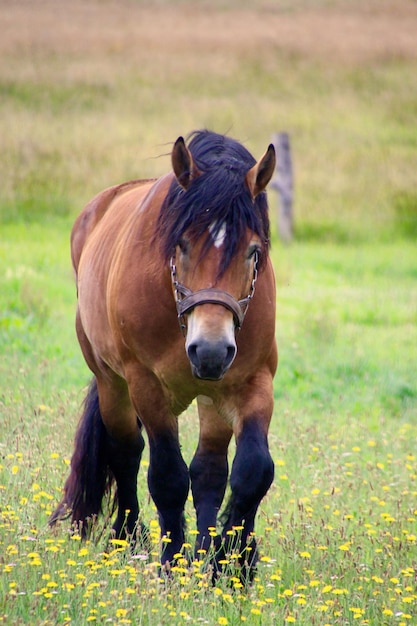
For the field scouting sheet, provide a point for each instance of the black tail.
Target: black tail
(90, 476)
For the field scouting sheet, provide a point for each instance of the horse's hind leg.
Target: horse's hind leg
(209, 470)
(124, 446)
(124, 460)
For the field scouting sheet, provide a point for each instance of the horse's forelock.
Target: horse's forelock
(218, 198)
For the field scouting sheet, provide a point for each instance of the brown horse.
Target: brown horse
(191, 246)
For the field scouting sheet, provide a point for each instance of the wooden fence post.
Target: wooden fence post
(283, 183)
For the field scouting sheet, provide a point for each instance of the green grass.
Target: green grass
(347, 321)
(337, 530)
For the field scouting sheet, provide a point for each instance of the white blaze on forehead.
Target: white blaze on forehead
(219, 238)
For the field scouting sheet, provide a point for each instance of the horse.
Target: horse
(176, 302)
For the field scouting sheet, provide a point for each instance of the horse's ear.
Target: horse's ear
(182, 163)
(261, 173)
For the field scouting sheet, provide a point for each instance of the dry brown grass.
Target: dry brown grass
(93, 33)
(95, 89)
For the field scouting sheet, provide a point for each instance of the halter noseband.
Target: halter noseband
(186, 300)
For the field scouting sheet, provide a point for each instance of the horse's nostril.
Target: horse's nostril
(192, 353)
(231, 353)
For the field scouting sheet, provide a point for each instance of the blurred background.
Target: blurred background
(93, 93)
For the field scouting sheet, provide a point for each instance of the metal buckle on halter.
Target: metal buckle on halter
(186, 300)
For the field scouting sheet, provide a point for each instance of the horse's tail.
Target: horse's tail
(90, 476)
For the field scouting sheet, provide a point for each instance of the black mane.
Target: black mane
(218, 196)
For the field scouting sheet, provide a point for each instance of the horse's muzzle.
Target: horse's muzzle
(210, 360)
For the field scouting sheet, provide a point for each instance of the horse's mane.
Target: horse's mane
(218, 196)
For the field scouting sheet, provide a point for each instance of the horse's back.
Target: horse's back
(94, 211)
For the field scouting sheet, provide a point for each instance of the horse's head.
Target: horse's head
(218, 251)
(211, 308)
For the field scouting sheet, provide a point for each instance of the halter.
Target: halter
(186, 300)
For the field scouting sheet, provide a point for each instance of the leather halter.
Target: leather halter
(186, 300)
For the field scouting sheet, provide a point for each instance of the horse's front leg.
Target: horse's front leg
(251, 476)
(168, 483)
(168, 478)
(209, 470)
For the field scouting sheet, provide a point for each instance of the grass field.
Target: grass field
(94, 93)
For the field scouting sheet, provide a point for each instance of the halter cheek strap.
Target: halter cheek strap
(186, 300)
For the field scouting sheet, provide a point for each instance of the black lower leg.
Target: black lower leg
(168, 484)
(251, 476)
(208, 473)
(124, 461)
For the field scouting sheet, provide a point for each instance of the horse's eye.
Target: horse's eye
(183, 245)
(253, 250)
